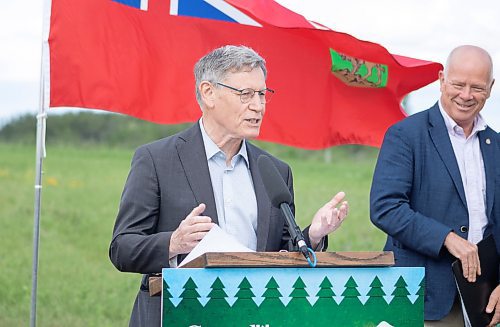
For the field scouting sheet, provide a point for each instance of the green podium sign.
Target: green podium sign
(287, 296)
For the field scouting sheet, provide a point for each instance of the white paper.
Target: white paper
(216, 240)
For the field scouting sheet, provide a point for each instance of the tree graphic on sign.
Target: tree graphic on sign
(298, 307)
(167, 296)
(189, 311)
(272, 308)
(350, 305)
(401, 307)
(244, 309)
(217, 305)
(376, 306)
(325, 309)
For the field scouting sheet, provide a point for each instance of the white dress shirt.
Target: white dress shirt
(233, 191)
(471, 165)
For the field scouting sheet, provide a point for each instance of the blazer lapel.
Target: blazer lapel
(487, 141)
(191, 153)
(263, 202)
(441, 140)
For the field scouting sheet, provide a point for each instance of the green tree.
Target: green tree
(401, 306)
(189, 311)
(376, 306)
(351, 305)
(418, 305)
(401, 292)
(299, 308)
(245, 291)
(271, 309)
(325, 309)
(351, 293)
(244, 309)
(167, 296)
(216, 306)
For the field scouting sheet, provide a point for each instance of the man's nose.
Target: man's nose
(466, 93)
(256, 102)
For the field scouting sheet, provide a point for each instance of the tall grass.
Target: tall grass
(78, 286)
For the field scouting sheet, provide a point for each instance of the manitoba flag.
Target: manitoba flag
(136, 57)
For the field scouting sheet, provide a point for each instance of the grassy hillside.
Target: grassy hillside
(78, 286)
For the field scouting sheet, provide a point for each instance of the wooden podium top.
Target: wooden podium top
(281, 259)
(290, 259)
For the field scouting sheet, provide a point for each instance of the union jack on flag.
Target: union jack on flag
(211, 9)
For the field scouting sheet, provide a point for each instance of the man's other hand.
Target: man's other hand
(467, 253)
(328, 218)
(190, 231)
(494, 306)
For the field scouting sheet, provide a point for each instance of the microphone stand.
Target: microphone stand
(294, 230)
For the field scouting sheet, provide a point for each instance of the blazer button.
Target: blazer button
(463, 229)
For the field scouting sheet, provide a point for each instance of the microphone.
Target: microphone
(280, 197)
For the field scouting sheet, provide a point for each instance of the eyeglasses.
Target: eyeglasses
(246, 95)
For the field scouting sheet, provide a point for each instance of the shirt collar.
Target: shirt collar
(452, 126)
(211, 149)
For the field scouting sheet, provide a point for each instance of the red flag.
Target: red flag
(331, 88)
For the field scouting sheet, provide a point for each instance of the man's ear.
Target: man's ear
(491, 86)
(441, 80)
(207, 93)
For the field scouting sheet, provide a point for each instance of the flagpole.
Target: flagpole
(40, 140)
(40, 154)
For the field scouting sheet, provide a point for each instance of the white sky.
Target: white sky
(424, 29)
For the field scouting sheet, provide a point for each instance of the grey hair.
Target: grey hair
(214, 66)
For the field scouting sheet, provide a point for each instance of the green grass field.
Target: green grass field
(78, 285)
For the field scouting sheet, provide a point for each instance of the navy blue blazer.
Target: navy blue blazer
(417, 198)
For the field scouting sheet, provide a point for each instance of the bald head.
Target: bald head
(466, 84)
(470, 55)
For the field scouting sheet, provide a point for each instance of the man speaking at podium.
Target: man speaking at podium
(180, 186)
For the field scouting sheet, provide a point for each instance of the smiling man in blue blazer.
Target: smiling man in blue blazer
(436, 185)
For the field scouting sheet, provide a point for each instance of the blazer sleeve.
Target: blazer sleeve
(136, 246)
(390, 197)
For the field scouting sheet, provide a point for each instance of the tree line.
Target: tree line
(87, 128)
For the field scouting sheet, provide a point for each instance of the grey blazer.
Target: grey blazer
(167, 179)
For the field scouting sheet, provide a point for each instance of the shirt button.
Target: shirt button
(463, 229)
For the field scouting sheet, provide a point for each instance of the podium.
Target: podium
(263, 289)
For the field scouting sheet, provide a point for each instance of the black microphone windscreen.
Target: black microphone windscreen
(273, 182)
